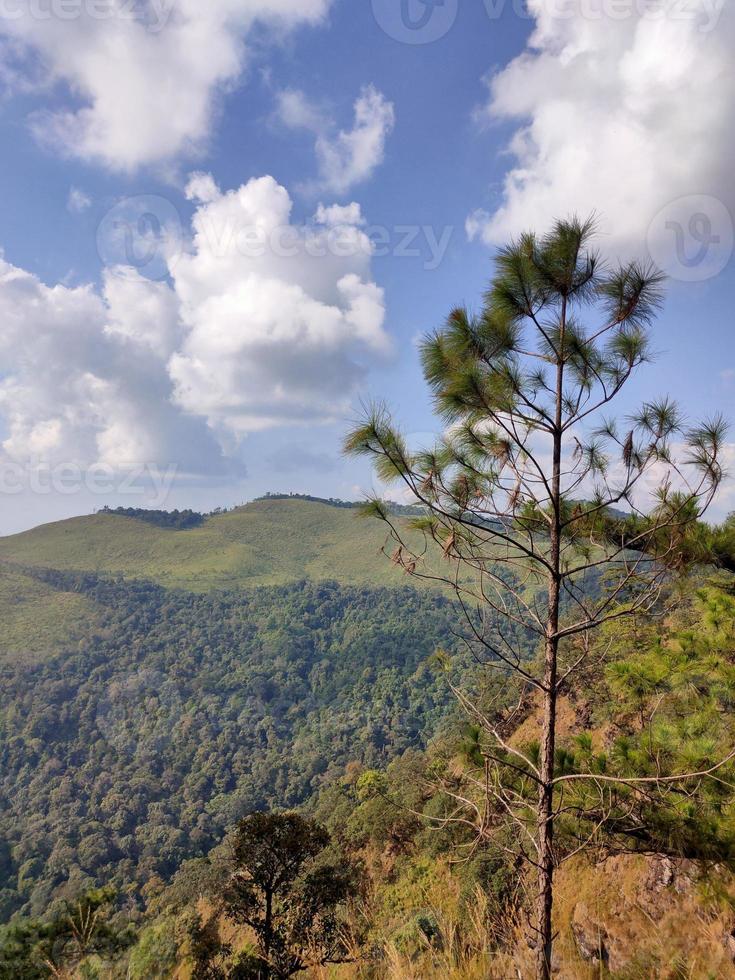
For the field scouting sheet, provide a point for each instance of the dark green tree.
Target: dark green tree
(290, 892)
(524, 486)
(56, 947)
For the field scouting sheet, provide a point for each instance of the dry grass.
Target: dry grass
(654, 927)
(654, 930)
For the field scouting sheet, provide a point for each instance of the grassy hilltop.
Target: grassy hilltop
(266, 543)
(269, 542)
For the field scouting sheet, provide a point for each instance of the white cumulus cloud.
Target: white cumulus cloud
(353, 155)
(144, 77)
(621, 109)
(280, 321)
(261, 322)
(84, 378)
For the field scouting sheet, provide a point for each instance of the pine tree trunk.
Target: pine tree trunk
(545, 812)
(545, 827)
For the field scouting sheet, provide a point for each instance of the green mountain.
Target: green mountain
(266, 543)
(159, 683)
(269, 542)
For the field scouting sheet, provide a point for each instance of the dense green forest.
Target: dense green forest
(179, 713)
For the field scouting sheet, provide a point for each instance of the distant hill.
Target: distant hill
(269, 542)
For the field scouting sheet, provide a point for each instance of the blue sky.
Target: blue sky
(204, 376)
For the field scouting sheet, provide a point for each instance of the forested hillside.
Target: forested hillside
(275, 541)
(137, 746)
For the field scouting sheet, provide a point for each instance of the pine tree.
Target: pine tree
(524, 490)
